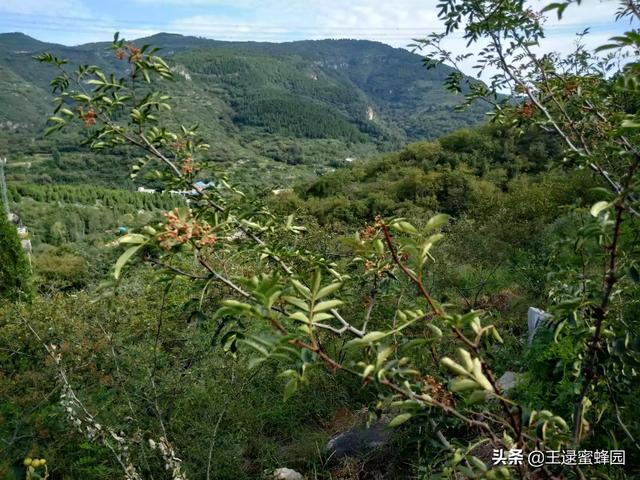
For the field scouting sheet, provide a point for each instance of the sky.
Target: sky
(397, 22)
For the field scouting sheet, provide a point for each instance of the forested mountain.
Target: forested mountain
(306, 102)
(388, 87)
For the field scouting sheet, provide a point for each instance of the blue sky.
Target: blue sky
(72, 22)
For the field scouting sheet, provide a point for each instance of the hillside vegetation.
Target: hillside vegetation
(266, 106)
(497, 256)
(368, 319)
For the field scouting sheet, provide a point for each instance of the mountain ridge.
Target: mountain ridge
(394, 79)
(312, 102)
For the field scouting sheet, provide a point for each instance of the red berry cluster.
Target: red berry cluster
(187, 166)
(368, 232)
(527, 110)
(181, 229)
(179, 145)
(133, 53)
(88, 117)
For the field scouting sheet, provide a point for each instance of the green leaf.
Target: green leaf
(383, 355)
(256, 346)
(378, 246)
(558, 329)
(599, 207)
(133, 239)
(304, 291)
(478, 463)
(453, 366)
(560, 7)
(404, 227)
(435, 330)
(289, 373)
(304, 328)
(373, 337)
(327, 305)
(57, 120)
(124, 258)
(630, 123)
(462, 384)
(477, 396)
(54, 128)
(290, 388)
(328, 290)
(272, 298)
(465, 358)
(438, 220)
(368, 338)
(482, 380)
(300, 317)
(80, 97)
(317, 278)
(400, 419)
(298, 302)
(236, 304)
(369, 369)
(318, 317)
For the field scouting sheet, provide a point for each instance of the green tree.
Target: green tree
(15, 274)
(589, 101)
(55, 155)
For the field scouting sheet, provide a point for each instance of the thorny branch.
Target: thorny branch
(600, 312)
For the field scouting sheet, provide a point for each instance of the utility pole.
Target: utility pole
(3, 186)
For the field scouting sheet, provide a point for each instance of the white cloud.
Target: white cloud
(206, 3)
(280, 20)
(590, 12)
(68, 8)
(69, 22)
(395, 23)
(222, 27)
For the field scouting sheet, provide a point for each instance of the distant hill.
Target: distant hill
(305, 102)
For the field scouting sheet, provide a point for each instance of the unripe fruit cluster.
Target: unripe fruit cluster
(34, 462)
